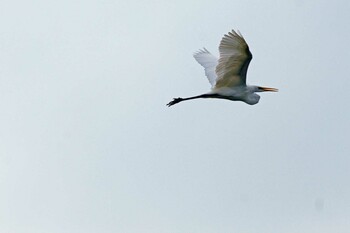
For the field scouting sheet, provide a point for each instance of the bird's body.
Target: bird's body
(227, 75)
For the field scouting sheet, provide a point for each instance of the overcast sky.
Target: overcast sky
(87, 144)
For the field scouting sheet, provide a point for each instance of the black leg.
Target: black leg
(174, 101)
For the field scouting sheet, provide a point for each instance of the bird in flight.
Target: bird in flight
(227, 75)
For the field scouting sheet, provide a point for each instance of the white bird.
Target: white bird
(227, 75)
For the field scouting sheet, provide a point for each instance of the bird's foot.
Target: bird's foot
(174, 101)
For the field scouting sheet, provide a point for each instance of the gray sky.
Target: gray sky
(88, 145)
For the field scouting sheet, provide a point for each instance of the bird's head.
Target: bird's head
(263, 89)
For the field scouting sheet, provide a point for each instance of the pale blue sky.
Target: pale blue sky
(88, 145)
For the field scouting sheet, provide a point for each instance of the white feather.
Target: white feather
(209, 62)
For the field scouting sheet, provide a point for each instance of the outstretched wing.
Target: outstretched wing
(234, 61)
(209, 62)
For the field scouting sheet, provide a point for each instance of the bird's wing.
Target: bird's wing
(209, 62)
(234, 61)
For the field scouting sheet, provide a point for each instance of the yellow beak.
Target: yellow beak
(268, 89)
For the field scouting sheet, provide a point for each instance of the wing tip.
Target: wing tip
(233, 33)
(201, 51)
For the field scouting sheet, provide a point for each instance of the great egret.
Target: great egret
(227, 75)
